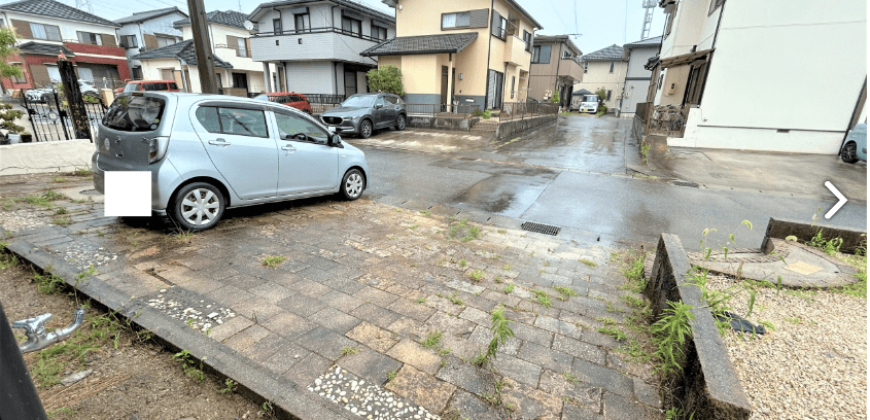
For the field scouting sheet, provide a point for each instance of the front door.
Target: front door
(239, 145)
(306, 162)
(382, 115)
(494, 90)
(444, 71)
(350, 83)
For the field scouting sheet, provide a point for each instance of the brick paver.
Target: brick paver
(365, 283)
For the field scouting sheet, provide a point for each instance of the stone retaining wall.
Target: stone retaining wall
(780, 229)
(459, 123)
(509, 129)
(707, 386)
(53, 156)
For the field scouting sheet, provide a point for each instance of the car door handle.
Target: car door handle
(219, 142)
(290, 149)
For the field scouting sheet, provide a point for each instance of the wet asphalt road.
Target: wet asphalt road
(575, 176)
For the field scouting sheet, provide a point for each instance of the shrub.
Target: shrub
(386, 79)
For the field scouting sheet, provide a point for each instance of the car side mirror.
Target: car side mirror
(379, 106)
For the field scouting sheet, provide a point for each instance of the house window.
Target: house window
(669, 19)
(276, 27)
(499, 26)
(695, 85)
(49, 32)
(351, 26)
(566, 55)
(165, 41)
(243, 47)
(611, 66)
(527, 39)
(585, 67)
(90, 38)
(456, 20)
(608, 95)
(22, 78)
(129, 41)
(541, 54)
(303, 22)
(513, 85)
(378, 32)
(659, 84)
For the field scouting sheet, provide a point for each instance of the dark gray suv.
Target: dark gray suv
(362, 114)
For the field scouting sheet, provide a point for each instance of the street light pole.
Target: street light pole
(202, 47)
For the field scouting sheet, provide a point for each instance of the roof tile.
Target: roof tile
(428, 44)
(55, 9)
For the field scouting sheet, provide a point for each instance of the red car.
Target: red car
(149, 86)
(291, 99)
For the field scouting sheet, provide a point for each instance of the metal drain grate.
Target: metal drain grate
(539, 228)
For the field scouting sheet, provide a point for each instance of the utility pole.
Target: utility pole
(202, 46)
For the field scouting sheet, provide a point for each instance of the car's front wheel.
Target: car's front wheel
(401, 122)
(365, 129)
(198, 206)
(849, 153)
(353, 184)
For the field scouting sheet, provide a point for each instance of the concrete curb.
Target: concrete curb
(804, 232)
(707, 386)
(289, 400)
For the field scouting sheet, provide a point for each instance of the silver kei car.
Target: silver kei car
(362, 114)
(207, 153)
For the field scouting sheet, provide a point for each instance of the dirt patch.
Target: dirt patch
(132, 377)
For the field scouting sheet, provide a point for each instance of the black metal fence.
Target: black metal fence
(50, 117)
(319, 98)
(511, 111)
(441, 110)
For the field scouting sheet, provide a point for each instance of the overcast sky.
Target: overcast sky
(602, 23)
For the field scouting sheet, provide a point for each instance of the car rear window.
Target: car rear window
(173, 86)
(294, 98)
(135, 113)
(154, 86)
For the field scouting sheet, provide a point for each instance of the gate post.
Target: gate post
(76, 104)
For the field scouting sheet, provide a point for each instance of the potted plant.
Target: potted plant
(7, 122)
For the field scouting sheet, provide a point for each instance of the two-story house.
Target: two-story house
(148, 30)
(231, 43)
(780, 75)
(554, 68)
(313, 47)
(460, 51)
(637, 76)
(46, 28)
(604, 69)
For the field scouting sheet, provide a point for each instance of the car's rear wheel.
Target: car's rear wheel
(401, 122)
(353, 184)
(849, 153)
(365, 129)
(198, 206)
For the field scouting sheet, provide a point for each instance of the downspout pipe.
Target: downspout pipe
(38, 339)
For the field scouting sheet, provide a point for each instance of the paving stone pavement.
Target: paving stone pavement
(362, 285)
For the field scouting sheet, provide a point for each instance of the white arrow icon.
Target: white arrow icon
(840, 197)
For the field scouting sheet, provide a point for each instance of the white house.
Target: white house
(637, 76)
(231, 44)
(777, 75)
(313, 47)
(149, 30)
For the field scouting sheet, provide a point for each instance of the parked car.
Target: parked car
(149, 86)
(44, 94)
(208, 153)
(291, 99)
(855, 146)
(589, 103)
(362, 114)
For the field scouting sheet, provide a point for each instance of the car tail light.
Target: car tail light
(157, 147)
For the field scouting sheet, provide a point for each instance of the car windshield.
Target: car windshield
(591, 98)
(131, 87)
(364, 101)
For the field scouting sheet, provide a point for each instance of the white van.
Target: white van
(589, 103)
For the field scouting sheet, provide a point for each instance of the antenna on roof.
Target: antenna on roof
(240, 7)
(648, 6)
(84, 5)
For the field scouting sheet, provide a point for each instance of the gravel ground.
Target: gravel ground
(814, 366)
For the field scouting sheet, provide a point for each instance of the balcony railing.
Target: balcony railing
(668, 121)
(319, 31)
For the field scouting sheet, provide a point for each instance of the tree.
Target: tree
(601, 95)
(555, 99)
(386, 79)
(7, 51)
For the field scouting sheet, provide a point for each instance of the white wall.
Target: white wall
(218, 35)
(68, 28)
(161, 24)
(52, 156)
(310, 77)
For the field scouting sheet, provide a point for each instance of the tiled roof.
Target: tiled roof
(148, 14)
(38, 48)
(228, 17)
(613, 52)
(51, 8)
(649, 42)
(427, 44)
(352, 5)
(184, 50)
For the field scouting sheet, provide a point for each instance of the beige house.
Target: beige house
(460, 51)
(555, 68)
(604, 69)
(231, 43)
